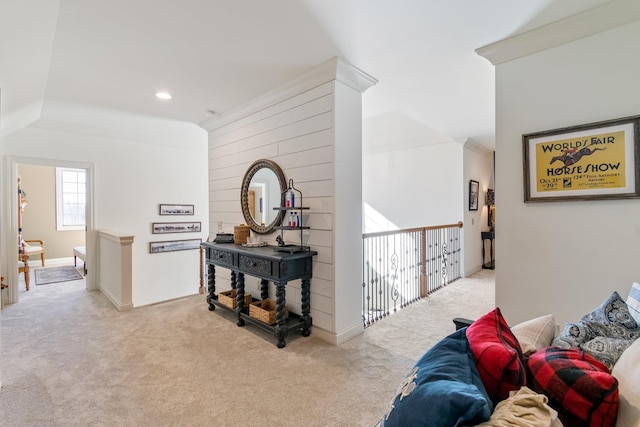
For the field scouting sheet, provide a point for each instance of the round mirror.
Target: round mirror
(263, 188)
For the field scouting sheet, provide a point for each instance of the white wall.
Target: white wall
(563, 257)
(411, 174)
(114, 260)
(347, 230)
(478, 166)
(415, 177)
(415, 187)
(130, 179)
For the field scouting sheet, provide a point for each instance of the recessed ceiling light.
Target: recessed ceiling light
(163, 95)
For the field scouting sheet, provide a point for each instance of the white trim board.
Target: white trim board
(581, 25)
(333, 69)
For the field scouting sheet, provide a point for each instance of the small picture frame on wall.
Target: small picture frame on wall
(176, 227)
(474, 189)
(166, 209)
(174, 245)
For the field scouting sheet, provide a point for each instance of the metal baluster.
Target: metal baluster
(396, 263)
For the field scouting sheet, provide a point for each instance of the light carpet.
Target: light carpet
(70, 359)
(64, 273)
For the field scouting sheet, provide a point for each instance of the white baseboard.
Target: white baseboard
(339, 338)
(473, 271)
(115, 302)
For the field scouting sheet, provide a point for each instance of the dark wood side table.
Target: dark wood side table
(268, 265)
(490, 236)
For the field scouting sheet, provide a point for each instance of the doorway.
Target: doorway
(38, 182)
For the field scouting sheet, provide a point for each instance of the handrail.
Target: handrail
(411, 230)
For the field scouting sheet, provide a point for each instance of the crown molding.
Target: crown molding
(470, 144)
(353, 76)
(333, 69)
(584, 24)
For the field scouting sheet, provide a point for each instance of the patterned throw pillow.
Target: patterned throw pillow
(604, 333)
(612, 319)
(633, 301)
(497, 354)
(606, 350)
(443, 389)
(578, 386)
(573, 335)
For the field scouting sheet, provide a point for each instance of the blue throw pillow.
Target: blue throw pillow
(443, 389)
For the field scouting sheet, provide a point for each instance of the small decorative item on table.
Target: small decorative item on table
(265, 311)
(241, 234)
(224, 238)
(228, 298)
(255, 244)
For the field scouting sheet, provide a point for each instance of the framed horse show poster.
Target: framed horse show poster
(585, 162)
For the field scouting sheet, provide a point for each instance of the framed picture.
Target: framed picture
(176, 209)
(174, 245)
(175, 227)
(585, 162)
(474, 189)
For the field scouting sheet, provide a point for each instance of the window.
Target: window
(71, 189)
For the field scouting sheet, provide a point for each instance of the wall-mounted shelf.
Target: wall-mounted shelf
(292, 197)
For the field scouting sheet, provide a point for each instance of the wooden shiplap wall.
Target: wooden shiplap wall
(298, 134)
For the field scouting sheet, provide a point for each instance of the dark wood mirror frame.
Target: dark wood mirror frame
(244, 195)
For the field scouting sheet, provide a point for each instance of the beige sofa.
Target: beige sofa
(627, 372)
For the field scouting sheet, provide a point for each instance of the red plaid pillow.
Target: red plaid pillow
(578, 386)
(497, 354)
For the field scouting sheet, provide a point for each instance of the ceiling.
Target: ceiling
(217, 54)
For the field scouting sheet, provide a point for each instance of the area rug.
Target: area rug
(66, 273)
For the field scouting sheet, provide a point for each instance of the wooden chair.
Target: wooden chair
(36, 249)
(23, 267)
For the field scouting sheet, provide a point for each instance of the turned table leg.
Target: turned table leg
(240, 298)
(264, 289)
(306, 306)
(281, 317)
(211, 285)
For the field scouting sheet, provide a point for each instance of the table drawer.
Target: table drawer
(255, 265)
(221, 257)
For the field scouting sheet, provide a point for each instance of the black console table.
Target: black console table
(268, 265)
(488, 235)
